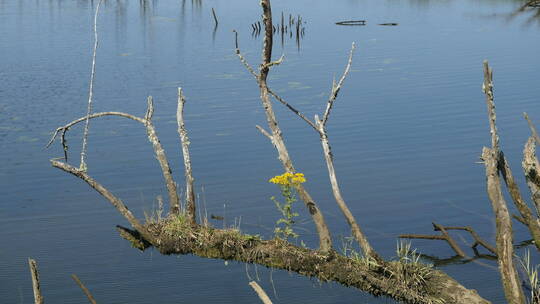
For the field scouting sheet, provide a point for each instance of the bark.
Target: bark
(531, 167)
(184, 139)
(504, 237)
(528, 218)
(493, 158)
(174, 200)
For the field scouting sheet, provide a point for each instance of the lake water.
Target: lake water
(406, 131)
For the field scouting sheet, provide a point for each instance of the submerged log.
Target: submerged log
(407, 282)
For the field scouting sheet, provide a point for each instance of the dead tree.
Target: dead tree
(180, 233)
(319, 125)
(276, 135)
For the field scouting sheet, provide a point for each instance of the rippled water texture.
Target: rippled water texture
(407, 131)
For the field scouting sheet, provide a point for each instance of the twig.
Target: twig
(294, 110)
(84, 289)
(83, 165)
(184, 139)
(337, 87)
(38, 298)
(265, 133)
(116, 202)
(444, 237)
(260, 292)
(478, 240)
(242, 58)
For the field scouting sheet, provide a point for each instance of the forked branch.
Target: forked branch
(174, 200)
(275, 134)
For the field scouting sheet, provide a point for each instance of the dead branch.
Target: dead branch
(83, 165)
(325, 241)
(531, 168)
(477, 239)
(260, 292)
(116, 202)
(378, 280)
(84, 289)
(504, 238)
(184, 139)
(526, 214)
(337, 87)
(504, 233)
(443, 237)
(38, 298)
(319, 126)
(174, 200)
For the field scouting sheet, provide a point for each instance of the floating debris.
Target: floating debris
(352, 22)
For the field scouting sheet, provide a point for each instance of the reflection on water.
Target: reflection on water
(408, 129)
(283, 28)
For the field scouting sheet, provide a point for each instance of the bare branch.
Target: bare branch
(337, 87)
(487, 88)
(504, 237)
(260, 292)
(355, 228)
(325, 240)
(294, 110)
(174, 200)
(116, 202)
(243, 59)
(62, 130)
(38, 298)
(477, 239)
(265, 133)
(184, 139)
(84, 289)
(276, 62)
(533, 129)
(83, 165)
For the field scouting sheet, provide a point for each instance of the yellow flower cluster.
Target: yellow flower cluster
(287, 179)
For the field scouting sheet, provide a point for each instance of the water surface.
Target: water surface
(406, 132)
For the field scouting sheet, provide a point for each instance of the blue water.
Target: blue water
(406, 131)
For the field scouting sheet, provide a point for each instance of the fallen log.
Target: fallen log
(406, 282)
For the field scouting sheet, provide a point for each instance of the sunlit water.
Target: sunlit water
(406, 132)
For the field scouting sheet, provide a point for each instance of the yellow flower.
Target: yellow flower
(287, 179)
